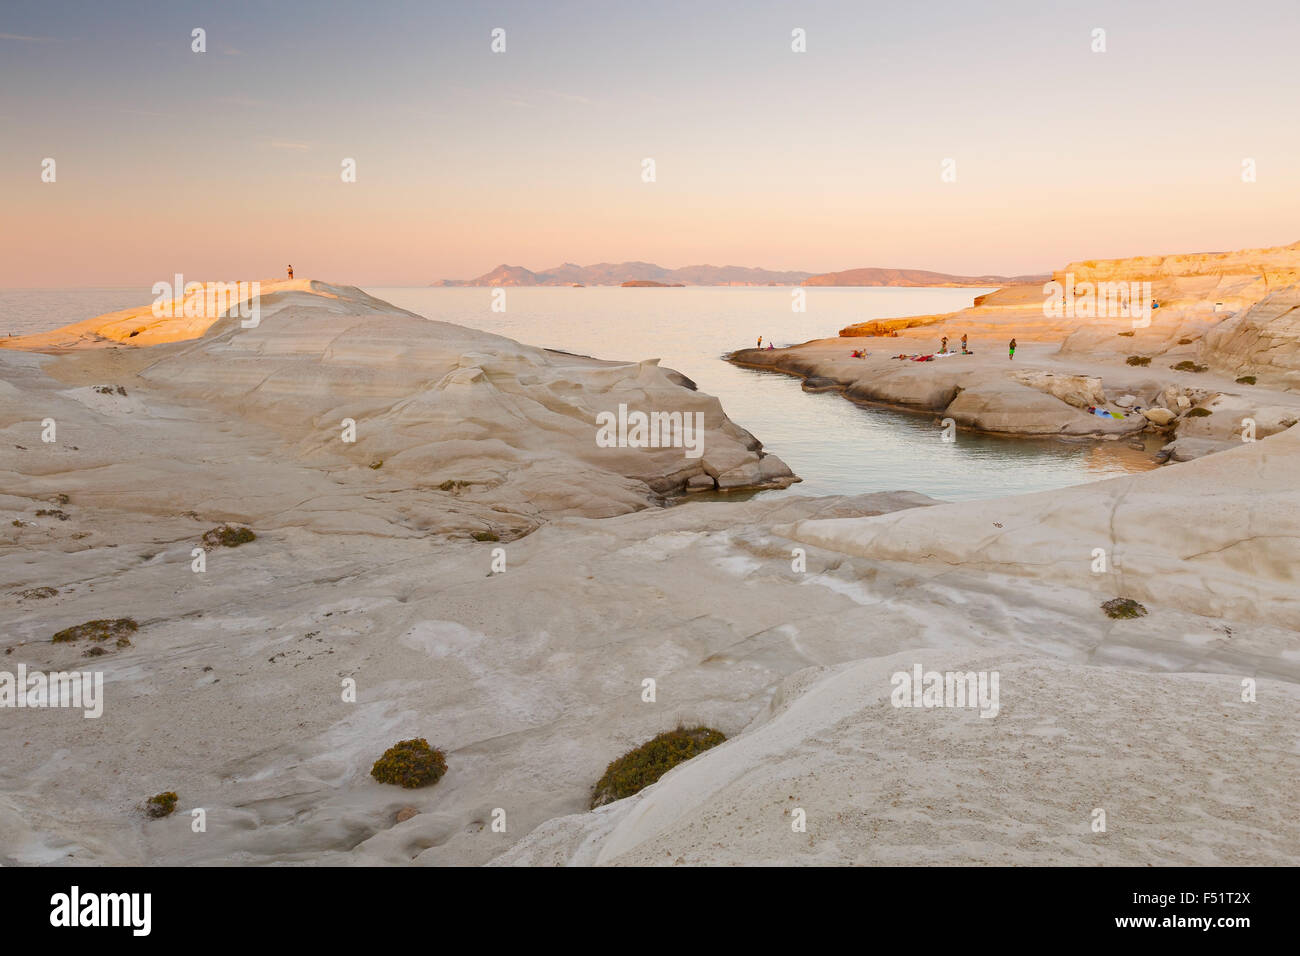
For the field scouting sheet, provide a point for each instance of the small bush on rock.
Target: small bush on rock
(637, 769)
(227, 536)
(1246, 380)
(1138, 360)
(410, 763)
(1199, 412)
(161, 804)
(1123, 609)
(100, 630)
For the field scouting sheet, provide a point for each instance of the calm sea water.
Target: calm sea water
(835, 446)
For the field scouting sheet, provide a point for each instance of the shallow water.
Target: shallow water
(837, 447)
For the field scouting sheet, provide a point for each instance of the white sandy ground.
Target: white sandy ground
(531, 679)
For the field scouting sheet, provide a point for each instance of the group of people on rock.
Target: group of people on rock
(943, 345)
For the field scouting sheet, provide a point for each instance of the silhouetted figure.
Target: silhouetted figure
(1011, 350)
(291, 272)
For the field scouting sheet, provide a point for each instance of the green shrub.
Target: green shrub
(1138, 360)
(1199, 412)
(453, 485)
(637, 769)
(43, 592)
(161, 804)
(1123, 608)
(227, 536)
(1246, 380)
(100, 630)
(485, 536)
(1188, 366)
(376, 465)
(410, 763)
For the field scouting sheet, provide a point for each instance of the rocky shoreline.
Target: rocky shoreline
(1197, 374)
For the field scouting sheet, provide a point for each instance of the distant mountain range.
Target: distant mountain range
(619, 273)
(916, 277)
(616, 273)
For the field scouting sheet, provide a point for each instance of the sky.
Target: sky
(227, 164)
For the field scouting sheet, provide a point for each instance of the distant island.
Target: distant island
(647, 284)
(619, 273)
(648, 274)
(916, 277)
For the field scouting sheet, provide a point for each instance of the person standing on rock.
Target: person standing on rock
(291, 272)
(963, 342)
(760, 341)
(943, 346)
(1011, 350)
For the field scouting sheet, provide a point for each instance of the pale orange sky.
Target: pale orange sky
(226, 164)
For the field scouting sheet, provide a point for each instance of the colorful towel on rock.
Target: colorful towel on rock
(929, 358)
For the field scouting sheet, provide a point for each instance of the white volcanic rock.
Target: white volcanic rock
(1219, 536)
(1262, 341)
(1203, 271)
(1235, 417)
(877, 784)
(1002, 405)
(1077, 390)
(1189, 448)
(432, 403)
